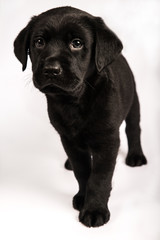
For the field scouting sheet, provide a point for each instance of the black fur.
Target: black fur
(90, 90)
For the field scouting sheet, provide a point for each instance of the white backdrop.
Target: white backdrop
(35, 190)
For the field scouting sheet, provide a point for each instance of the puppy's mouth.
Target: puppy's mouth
(51, 88)
(47, 89)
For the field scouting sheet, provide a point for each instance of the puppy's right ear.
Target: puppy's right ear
(21, 46)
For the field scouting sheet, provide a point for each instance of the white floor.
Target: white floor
(35, 190)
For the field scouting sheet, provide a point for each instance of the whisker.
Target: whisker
(28, 80)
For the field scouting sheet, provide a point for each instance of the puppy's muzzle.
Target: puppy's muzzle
(52, 69)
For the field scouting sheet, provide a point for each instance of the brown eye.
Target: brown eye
(39, 43)
(76, 44)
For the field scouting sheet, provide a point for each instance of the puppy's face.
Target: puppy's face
(66, 46)
(60, 51)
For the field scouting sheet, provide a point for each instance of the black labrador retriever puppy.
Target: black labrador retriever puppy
(90, 89)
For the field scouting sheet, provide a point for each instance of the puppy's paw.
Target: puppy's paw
(78, 201)
(67, 165)
(136, 160)
(94, 218)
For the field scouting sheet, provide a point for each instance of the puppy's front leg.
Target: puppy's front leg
(80, 161)
(95, 211)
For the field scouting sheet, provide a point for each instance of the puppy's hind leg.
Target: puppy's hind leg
(135, 155)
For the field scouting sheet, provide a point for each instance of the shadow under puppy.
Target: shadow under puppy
(90, 89)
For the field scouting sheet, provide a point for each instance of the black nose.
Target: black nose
(53, 68)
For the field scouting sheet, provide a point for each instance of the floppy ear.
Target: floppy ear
(21, 46)
(108, 45)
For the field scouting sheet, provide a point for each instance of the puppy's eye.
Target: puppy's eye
(39, 43)
(76, 44)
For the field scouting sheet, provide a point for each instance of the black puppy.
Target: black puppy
(77, 62)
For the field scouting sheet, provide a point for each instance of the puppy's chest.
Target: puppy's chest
(68, 119)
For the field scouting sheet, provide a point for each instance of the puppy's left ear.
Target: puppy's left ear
(108, 45)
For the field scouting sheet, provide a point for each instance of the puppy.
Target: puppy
(90, 89)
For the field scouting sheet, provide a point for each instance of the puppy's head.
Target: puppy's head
(66, 46)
